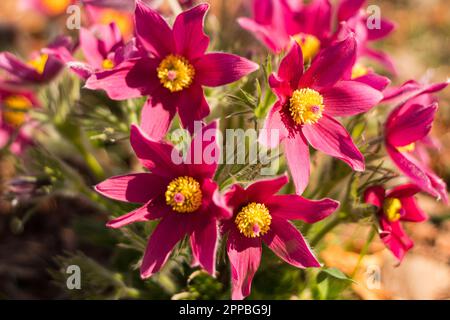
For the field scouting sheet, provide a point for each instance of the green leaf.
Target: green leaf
(333, 273)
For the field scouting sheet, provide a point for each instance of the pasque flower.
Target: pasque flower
(183, 196)
(395, 206)
(261, 216)
(407, 127)
(309, 101)
(276, 21)
(174, 70)
(47, 7)
(15, 126)
(41, 68)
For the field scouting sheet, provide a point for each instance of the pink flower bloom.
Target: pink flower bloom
(395, 206)
(174, 71)
(41, 68)
(356, 19)
(184, 197)
(122, 5)
(410, 124)
(309, 101)
(15, 126)
(261, 216)
(121, 16)
(276, 21)
(47, 7)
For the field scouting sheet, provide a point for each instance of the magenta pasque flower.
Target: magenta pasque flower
(183, 196)
(309, 101)
(260, 216)
(395, 206)
(410, 124)
(42, 67)
(174, 71)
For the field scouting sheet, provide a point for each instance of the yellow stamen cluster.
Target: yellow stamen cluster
(55, 7)
(253, 220)
(306, 106)
(184, 194)
(15, 109)
(310, 45)
(408, 148)
(175, 73)
(39, 63)
(359, 70)
(391, 208)
(108, 64)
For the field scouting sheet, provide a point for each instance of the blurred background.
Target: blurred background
(32, 236)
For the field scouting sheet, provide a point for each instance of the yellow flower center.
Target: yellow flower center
(108, 64)
(253, 220)
(175, 73)
(408, 148)
(310, 45)
(184, 194)
(122, 20)
(306, 106)
(359, 70)
(39, 63)
(392, 208)
(15, 110)
(55, 7)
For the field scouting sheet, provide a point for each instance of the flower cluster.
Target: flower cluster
(321, 80)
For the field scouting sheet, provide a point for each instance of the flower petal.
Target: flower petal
(171, 229)
(413, 213)
(403, 191)
(294, 207)
(296, 150)
(386, 27)
(190, 39)
(374, 80)
(375, 196)
(245, 256)
(137, 188)
(90, 47)
(18, 68)
(349, 98)
(260, 190)
(149, 211)
(265, 34)
(192, 106)
(291, 67)
(217, 69)
(330, 137)
(395, 238)
(153, 31)
(204, 245)
(349, 8)
(274, 129)
(288, 244)
(156, 119)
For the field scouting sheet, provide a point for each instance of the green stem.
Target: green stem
(327, 228)
(364, 250)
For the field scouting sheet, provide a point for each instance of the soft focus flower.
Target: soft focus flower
(15, 126)
(47, 7)
(41, 68)
(395, 206)
(184, 197)
(122, 5)
(307, 104)
(174, 71)
(276, 21)
(353, 16)
(107, 15)
(409, 125)
(261, 216)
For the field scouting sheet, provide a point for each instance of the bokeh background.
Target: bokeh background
(31, 237)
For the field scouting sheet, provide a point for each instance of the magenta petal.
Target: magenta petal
(331, 64)
(190, 40)
(265, 34)
(395, 238)
(131, 79)
(382, 58)
(204, 152)
(386, 27)
(403, 191)
(171, 229)
(349, 8)
(18, 68)
(315, 18)
(288, 243)
(296, 150)
(153, 31)
(204, 245)
(374, 80)
(413, 124)
(375, 196)
(330, 137)
(245, 256)
(137, 188)
(274, 129)
(294, 207)
(217, 69)
(192, 106)
(155, 156)
(216, 203)
(291, 67)
(349, 98)
(90, 46)
(156, 119)
(260, 190)
(147, 212)
(412, 211)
